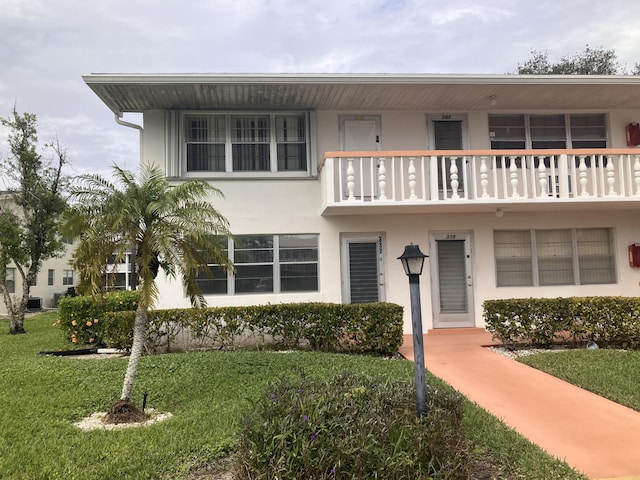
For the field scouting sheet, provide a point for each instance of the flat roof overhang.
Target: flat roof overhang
(364, 92)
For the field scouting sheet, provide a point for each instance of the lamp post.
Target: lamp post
(412, 261)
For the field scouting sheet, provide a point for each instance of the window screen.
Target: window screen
(554, 257)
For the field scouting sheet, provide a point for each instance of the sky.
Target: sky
(47, 45)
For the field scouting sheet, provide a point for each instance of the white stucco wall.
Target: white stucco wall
(278, 206)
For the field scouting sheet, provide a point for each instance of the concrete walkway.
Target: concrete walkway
(595, 436)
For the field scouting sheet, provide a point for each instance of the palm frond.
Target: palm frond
(158, 222)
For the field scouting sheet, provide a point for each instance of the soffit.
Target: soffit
(137, 93)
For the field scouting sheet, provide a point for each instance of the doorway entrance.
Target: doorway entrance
(362, 262)
(451, 280)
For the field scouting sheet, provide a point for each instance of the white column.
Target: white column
(454, 178)
(382, 179)
(411, 172)
(351, 184)
(542, 177)
(513, 175)
(582, 176)
(433, 178)
(484, 177)
(611, 177)
(564, 180)
(636, 174)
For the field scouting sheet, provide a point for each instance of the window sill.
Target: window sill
(245, 176)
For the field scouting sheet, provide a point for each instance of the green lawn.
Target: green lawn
(41, 396)
(613, 374)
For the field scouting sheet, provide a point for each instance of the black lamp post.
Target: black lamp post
(412, 261)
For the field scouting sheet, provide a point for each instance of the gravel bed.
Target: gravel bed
(522, 352)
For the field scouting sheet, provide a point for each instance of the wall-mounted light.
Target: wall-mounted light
(499, 212)
(493, 100)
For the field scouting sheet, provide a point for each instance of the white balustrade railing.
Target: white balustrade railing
(469, 176)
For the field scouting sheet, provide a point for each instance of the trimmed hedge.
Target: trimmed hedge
(609, 321)
(82, 318)
(354, 328)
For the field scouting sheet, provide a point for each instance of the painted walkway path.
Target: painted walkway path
(595, 436)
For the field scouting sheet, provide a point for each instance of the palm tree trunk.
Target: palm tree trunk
(139, 334)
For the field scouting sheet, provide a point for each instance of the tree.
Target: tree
(30, 213)
(592, 61)
(168, 228)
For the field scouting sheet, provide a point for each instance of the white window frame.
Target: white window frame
(578, 277)
(567, 126)
(273, 145)
(276, 263)
(50, 277)
(446, 117)
(67, 277)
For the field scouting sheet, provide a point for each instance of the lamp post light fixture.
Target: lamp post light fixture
(412, 261)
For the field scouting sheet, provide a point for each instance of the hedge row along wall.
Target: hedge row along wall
(82, 318)
(356, 328)
(609, 321)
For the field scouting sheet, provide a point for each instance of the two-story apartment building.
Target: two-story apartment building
(515, 186)
(55, 277)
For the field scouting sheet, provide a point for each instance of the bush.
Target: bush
(609, 321)
(352, 427)
(82, 319)
(352, 328)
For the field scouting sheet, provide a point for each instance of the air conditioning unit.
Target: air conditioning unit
(34, 303)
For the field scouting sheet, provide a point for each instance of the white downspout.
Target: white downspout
(133, 277)
(119, 121)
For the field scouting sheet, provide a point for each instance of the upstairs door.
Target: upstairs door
(363, 276)
(360, 133)
(451, 280)
(447, 133)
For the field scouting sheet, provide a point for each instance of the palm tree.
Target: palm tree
(172, 228)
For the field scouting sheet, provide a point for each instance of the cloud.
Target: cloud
(474, 13)
(48, 45)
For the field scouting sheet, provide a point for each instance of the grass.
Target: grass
(612, 374)
(207, 392)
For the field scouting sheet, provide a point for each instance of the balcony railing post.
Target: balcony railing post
(582, 174)
(513, 177)
(454, 178)
(382, 179)
(564, 180)
(327, 174)
(433, 178)
(411, 173)
(542, 177)
(351, 184)
(484, 177)
(611, 177)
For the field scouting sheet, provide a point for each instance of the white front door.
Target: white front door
(362, 273)
(360, 133)
(451, 280)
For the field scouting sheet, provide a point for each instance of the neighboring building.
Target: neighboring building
(515, 186)
(54, 278)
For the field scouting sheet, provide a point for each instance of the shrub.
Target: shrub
(82, 318)
(351, 426)
(360, 328)
(609, 321)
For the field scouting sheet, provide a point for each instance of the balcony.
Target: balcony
(479, 180)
